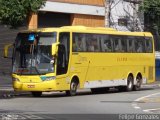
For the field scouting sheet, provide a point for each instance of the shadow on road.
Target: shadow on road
(79, 93)
(8, 94)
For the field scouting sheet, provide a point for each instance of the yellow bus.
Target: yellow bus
(77, 57)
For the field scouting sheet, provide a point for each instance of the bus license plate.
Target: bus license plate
(31, 86)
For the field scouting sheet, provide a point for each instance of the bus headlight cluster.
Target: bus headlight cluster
(48, 78)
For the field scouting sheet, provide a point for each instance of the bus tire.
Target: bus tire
(73, 88)
(36, 94)
(129, 86)
(137, 86)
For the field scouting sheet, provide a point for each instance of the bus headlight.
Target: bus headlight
(15, 79)
(48, 78)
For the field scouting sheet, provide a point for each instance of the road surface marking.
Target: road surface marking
(144, 99)
(135, 106)
(151, 110)
(147, 96)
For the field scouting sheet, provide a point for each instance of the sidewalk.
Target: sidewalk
(8, 92)
(153, 85)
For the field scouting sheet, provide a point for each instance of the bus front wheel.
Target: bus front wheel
(36, 94)
(73, 88)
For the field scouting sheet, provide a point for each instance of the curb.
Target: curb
(154, 85)
(6, 93)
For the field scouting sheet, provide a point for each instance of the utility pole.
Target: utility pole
(107, 13)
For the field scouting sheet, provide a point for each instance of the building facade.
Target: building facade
(58, 13)
(125, 15)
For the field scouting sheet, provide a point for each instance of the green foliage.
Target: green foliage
(151, 9)
(14, 12)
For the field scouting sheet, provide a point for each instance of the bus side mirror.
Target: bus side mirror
(6, 49)
(55, 48)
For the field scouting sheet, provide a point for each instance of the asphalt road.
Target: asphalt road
(112, 105)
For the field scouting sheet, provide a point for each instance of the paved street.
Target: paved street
(24, 105)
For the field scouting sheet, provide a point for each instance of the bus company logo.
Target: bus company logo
(123, 59)
(31, 86)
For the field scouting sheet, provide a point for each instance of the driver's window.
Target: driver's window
(63, 53)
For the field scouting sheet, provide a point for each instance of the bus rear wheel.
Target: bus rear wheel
(137, 86)
(73, 88)
(129, 86)
(36, 94)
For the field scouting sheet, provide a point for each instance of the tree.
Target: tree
(14, 12)
(151, 10)
(107, 13)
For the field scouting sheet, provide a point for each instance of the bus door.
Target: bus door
(80, 61)
(63, 57)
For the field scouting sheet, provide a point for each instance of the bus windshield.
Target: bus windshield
(32, 53)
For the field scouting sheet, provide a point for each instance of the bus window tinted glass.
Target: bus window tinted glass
(106, 43)
(130, 42)
(120, 44)
(79, 42)
(149, 46)
(93, 43)
(124, 44)
(139, 44)
(116, 41)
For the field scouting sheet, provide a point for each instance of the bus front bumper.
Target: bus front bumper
(45, 86)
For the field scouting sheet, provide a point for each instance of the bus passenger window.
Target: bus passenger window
(139, 48)
(116, 45)
(74, 48)
(78, 43)
(130, 45)
(123, 45)
(107, 46)
(139, 44)
(149, 48)
(93, 45)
